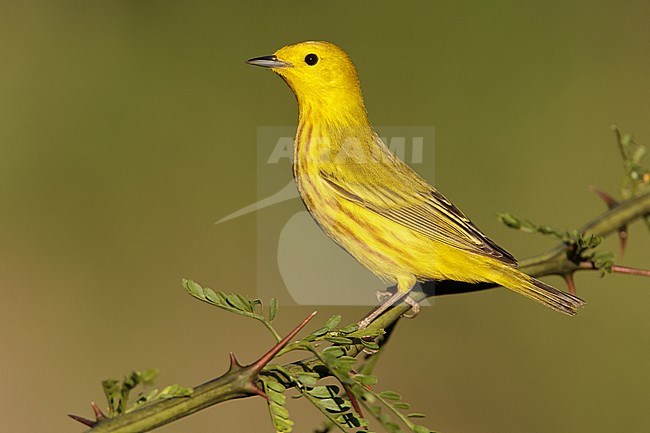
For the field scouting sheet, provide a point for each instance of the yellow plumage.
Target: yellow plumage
(371, 203)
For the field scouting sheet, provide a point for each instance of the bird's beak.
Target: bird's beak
(268, 62)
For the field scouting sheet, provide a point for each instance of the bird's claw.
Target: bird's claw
(415, 308)
(382, 295)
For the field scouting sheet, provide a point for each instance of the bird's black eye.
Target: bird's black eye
(311, 59)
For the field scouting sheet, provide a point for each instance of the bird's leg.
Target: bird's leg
(393, 299)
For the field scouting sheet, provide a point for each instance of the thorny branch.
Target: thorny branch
(240, 381)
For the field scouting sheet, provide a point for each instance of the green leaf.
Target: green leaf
(638, 154)
(349, 328)
(283, 425)
(319, 332)
(603, 261)
(150, 396)
(392, 427)
(279, 411)
(273, 309)
(369, 344)
(327, 391)
(364, 379)
(509, 219)
(401, 405)
(279, 414)
(193, 288)
(383, 418)
(351, 420)
(112, 393)
(277, 398)
(366, 333)
(421, 429)
(339, 340)
(335, 404)
(274, 386)
(220, 299)
(345, 363)
(280, 369)
(390, 395)
(238, 302)
(211, 296)
(333, 352)
(416, 415)
(307, 379)
(148, 376)
(333, 321)
(110, 386)
(626, 140)
(370, 398)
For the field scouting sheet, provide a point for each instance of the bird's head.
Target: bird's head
(321, 75)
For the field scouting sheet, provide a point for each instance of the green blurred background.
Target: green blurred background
(128, 128)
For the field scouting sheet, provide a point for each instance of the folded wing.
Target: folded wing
(409, 200)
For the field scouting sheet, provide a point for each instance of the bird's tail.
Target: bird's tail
(558, 300)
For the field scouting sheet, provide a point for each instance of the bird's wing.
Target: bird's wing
(402, 196)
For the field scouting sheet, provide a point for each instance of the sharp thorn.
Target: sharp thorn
(258, 365)
(608, 199)
(630, 271)
(85, 421)
(570, 283)
(234, 364)
(257, 390)
(99, 415)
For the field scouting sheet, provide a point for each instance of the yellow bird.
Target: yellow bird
(370, 202)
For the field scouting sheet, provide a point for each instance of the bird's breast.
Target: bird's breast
(315, 150)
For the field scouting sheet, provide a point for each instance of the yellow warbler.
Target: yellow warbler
(370, 202)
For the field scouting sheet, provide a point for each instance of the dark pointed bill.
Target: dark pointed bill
(267, 62)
